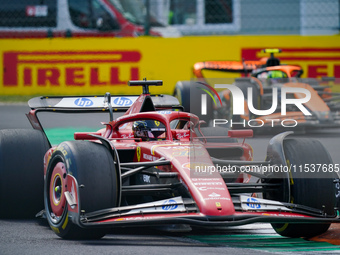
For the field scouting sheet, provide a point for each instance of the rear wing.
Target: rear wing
(244, 66)
(228, 66)
(119, 103)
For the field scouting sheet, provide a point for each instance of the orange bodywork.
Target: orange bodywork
(227, 66)
(253, 69)
(315, 104)
(242, 67)
(289, 70)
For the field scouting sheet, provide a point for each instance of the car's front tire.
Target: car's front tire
(92, 165)
(306, 187)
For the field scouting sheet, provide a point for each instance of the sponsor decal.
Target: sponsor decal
(139, 218)
(127, 136)
(83, 102)
(122, 101)
(214, 195)
(93, 102)
(208, 183)
(217, 198)
(169, 205)
(138, 150)
(253, 203)
(150, 157)
(183, 135)
(164, 112)
(69, 68)
(203, 179)
(174, 204)
(210, 188)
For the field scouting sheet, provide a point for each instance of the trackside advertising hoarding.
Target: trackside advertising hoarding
(97, 65)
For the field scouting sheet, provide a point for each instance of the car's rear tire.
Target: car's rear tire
(21, 172)
(182, 93)
(92, 165)
(306, 188)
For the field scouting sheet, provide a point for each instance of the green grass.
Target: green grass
(269, 243)
(59, 135)
(15, 99)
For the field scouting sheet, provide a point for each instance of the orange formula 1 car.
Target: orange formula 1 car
(269, 95)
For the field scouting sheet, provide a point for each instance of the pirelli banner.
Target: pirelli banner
(97, 65)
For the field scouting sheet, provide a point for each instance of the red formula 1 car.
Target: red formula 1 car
(267, 77)
(155, 166)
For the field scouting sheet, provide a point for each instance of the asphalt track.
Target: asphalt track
(35, 237)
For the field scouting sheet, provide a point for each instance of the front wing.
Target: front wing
(183, 211)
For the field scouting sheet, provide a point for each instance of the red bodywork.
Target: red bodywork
(185, 149)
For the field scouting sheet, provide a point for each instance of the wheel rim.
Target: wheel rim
(57, 187)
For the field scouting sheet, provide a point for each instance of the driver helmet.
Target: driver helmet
(148, 130)
(273, 77)
(276, 74)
